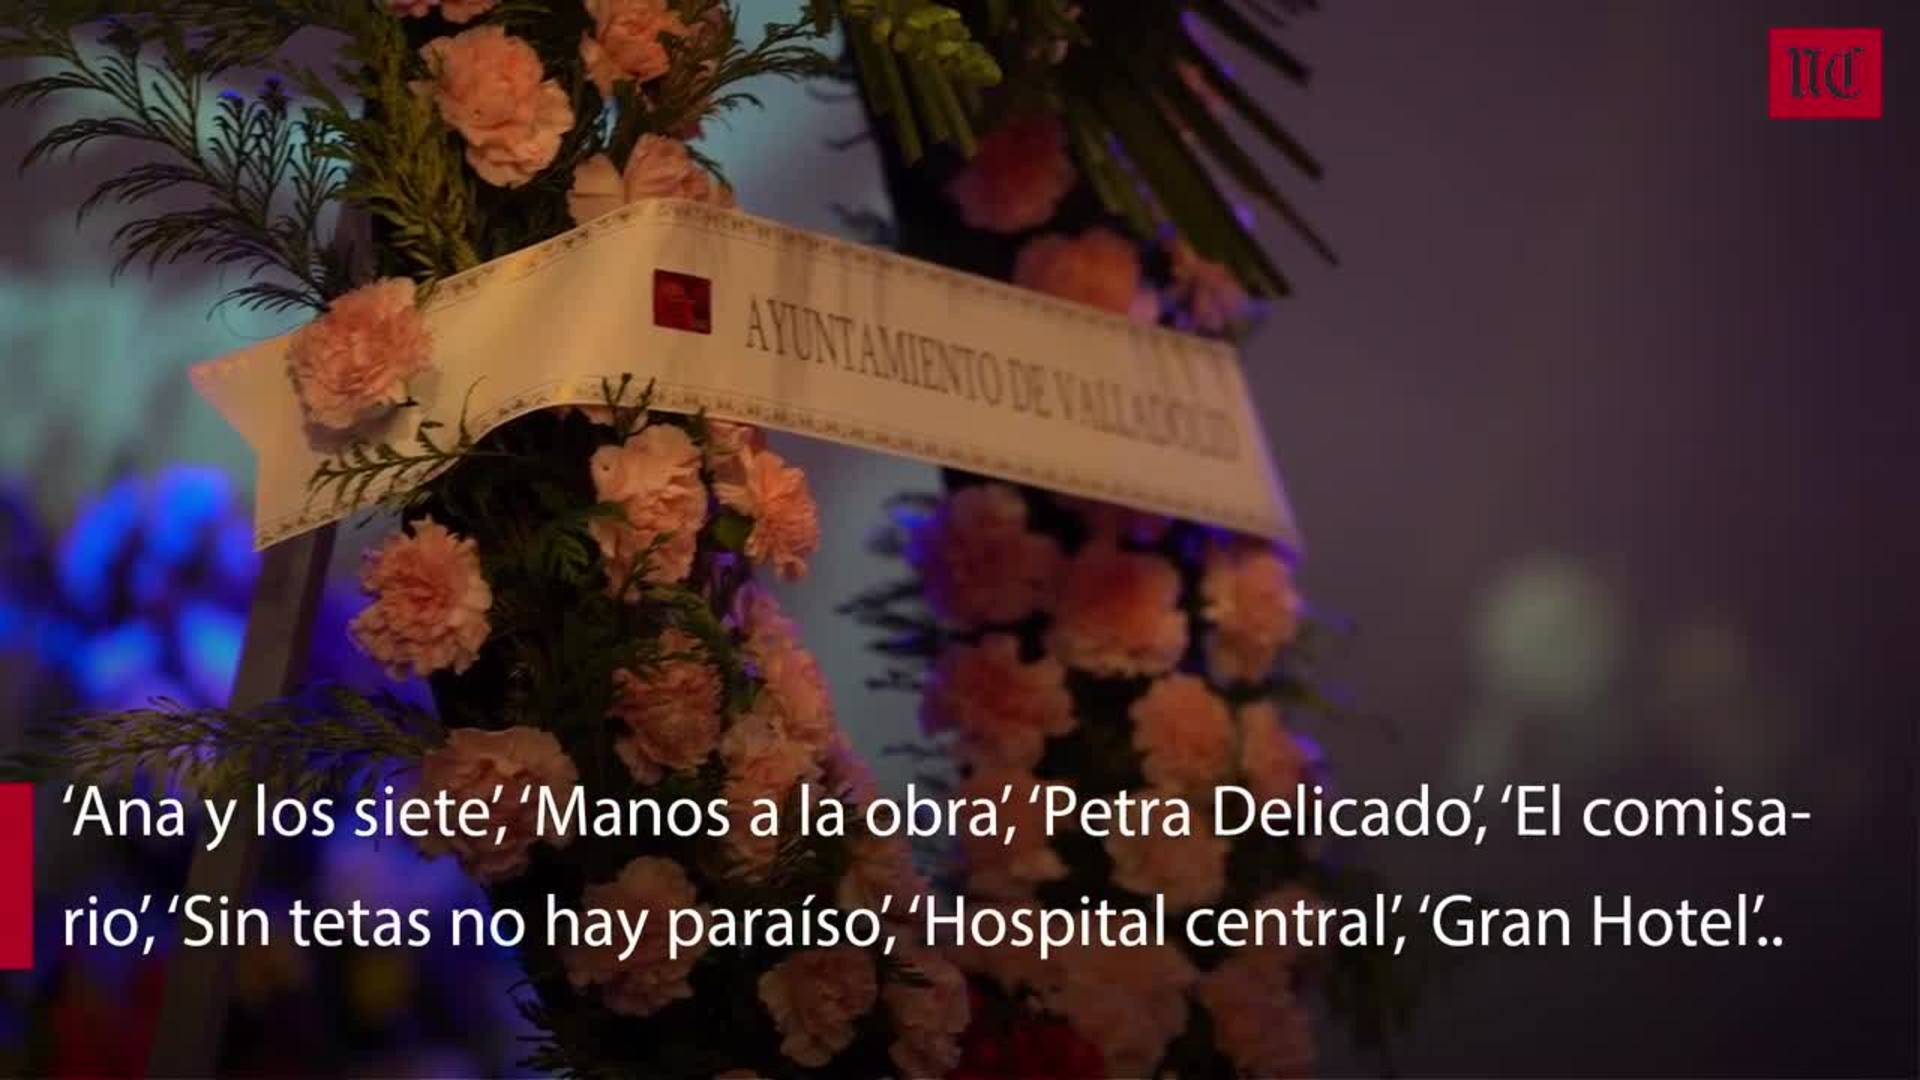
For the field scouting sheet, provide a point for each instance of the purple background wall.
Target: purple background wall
(1603, 434)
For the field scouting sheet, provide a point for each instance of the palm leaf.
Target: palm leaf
(1131, 111)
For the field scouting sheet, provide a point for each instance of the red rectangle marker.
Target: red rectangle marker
(16, 877)
(682, 302)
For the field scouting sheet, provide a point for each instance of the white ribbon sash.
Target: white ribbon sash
(752, 321)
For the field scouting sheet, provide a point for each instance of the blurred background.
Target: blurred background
(1604, 437)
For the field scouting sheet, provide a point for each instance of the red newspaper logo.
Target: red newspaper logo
(16, 877)
(682, 302)
(1823, 73)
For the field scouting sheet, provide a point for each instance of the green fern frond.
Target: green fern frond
(260, 179)
(405, 167)
(367, 474)
(330, 740)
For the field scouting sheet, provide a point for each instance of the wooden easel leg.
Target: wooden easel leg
(193, 1010)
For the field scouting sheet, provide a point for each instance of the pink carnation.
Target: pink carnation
(1099, 268)
(879, 869)
(1189, 870)
(355, 360)
(655, 477)
(1003, 710)
(1212, 297)
(1184, 734)
(978, 563)
(998, 870)
(1272, 761)
(671, 710)
(729, 445)
(1014, 968)
(762, 763)
(816, 998)
(1248, 596)
(1118, 613)
(626, 44)
(1016, 178)
(471, 764)
(793, 696)
(1258, 1021)
(490, 87)
(1128, 1002)
(663, 168)
(786, 524)
(757, 616)
(429, 610)
(658, 168)
(650, 978)
(929, 1014)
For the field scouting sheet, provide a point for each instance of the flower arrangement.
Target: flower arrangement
(1159, 658)
(572, 641)
(1058, 641)
(576, 587)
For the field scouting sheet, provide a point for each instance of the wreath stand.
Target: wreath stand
(193, 1005)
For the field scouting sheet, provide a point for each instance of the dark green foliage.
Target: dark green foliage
(328, 740)
(1152, 116)
(920, 64)
(363, 473)
(524, 493)
(261, 178)
(404, 166)
(1131, 109)
(263, 181)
